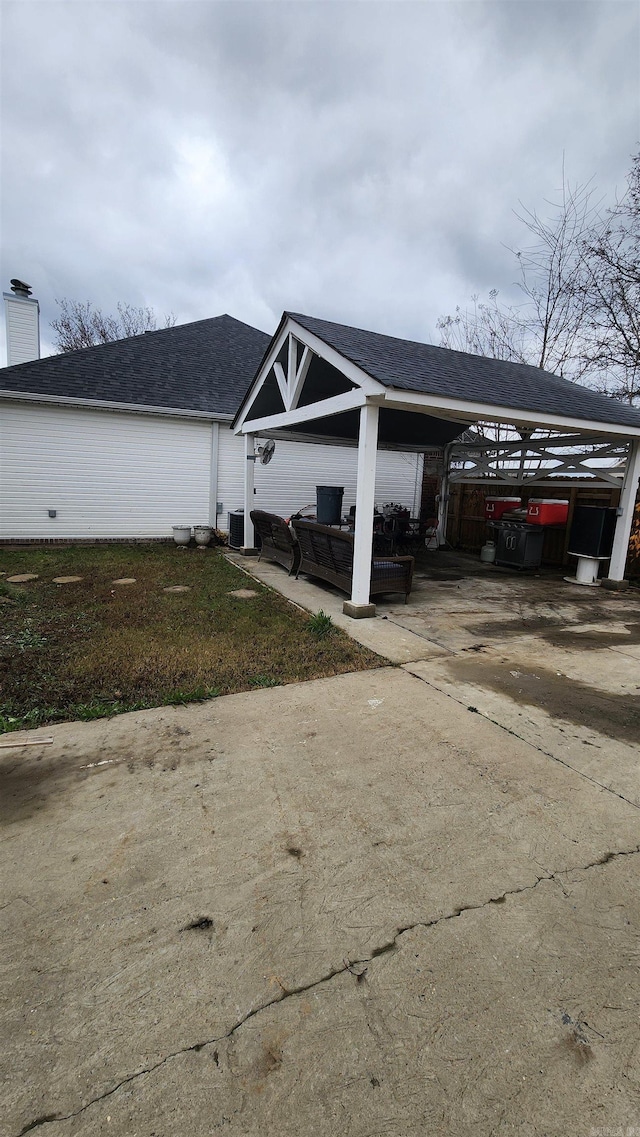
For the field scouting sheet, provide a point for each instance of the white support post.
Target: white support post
(248, 549)
(213, 474)
(625, 520)
(443, 500)
(359, 606)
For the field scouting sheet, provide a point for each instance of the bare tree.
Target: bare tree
(81, 325)
(612, 291)
(548, 328)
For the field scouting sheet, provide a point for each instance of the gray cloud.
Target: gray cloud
(359, 161)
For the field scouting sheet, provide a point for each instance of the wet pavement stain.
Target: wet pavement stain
(570, 700)
(559, 633)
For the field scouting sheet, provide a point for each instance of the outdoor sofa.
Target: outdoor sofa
(278, 542)
(328, 553)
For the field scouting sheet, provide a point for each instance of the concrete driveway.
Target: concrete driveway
(365, 905)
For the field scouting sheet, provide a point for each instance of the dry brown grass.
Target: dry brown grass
(93, 648)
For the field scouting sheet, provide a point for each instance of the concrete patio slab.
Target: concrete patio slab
(347, 906)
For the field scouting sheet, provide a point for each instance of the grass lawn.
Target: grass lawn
(94, 648)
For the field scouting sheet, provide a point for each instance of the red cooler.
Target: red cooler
(494, 507)
(547, 511)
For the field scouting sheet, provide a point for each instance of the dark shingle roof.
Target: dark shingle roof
(411, 366)
(202, 366)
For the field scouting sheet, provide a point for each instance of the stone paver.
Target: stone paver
(243, 593)
(66, 579)
(177, 588)
(22, 578)
(124, 580)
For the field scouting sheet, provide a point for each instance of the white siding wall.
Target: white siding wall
(107, 474)
(23, 329)
(289, 481)
(111, 474)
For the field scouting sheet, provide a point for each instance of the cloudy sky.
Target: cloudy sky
(359, 161)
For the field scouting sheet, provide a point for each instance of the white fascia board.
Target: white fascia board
(102, 404)
(324, 409)
(370, 387)
(351, 371)
(259, 381)
(437, 404)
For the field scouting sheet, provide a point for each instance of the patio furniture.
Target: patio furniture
(328, 553)
(278, 542)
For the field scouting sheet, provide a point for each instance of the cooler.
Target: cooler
(494, 507)
(547, 511)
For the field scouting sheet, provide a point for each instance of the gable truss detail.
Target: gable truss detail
(292, 383)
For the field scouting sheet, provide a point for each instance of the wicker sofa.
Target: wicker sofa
(278, 542)
(328, 553)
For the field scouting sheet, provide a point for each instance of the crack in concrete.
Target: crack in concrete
(547, 753)
(348, 965)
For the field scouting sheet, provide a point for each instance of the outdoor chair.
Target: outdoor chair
(278, 542)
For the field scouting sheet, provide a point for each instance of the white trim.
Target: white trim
(365, 497)
(291, 370)
(103, 405)
(298, 383)
(626, 508)
(278, 371)
(334, 406)
(350, 370)
(249, 480)
(213, 474)
(354, 374)
(432, 404)
(261, 377)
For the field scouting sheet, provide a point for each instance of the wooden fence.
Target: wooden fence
(467, 527)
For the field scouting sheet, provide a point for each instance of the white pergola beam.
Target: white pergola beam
(291, 368)
(324, 409)
(473, 412)
(298, 383)
(278, 370)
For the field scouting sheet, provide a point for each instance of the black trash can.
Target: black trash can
(329, 504)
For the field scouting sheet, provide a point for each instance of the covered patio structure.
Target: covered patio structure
(326, 382)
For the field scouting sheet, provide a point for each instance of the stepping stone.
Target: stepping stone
(124, 580)
(243, 593)
(66, 579)
(177, 588)
(22, 578)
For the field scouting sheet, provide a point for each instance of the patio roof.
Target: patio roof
(325, 381)
(298, 388)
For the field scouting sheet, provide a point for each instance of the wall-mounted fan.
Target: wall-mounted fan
(266, 451)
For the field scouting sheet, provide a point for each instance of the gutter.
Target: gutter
(103, 404)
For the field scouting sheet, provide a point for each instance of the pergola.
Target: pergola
(325, 382)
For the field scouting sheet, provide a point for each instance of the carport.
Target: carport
(326, 382)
